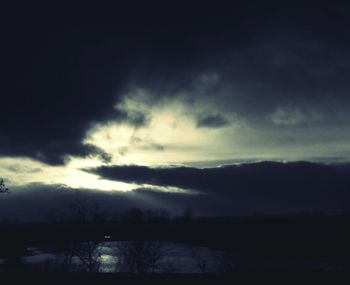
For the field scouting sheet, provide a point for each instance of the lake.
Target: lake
(108, 256)
(140, 256)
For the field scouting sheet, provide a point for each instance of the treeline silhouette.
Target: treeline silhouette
(247, 243)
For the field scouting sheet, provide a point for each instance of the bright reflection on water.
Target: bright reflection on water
(175, 258)
(108, 263)
(108, 260)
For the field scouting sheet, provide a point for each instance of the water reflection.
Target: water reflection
(119, 256)
(138, 257)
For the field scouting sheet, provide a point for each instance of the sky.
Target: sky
(88, 91)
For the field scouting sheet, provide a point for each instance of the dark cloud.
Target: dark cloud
(61, 84)
(262, 188)
(38, 202)
(133, 118)
(212, 121)
(62, 77)
(54, 151)
(296, 184)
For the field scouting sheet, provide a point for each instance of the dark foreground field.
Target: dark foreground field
(138, 244)
(236, 278)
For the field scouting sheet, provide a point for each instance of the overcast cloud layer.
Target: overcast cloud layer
(282, 68)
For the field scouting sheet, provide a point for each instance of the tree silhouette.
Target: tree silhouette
(140, 256)
(3, 188)
(89, 254)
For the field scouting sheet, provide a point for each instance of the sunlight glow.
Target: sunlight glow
(170, 136)
(23, 171)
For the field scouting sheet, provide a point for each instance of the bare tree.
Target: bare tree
(78, 256)
(139, 256)
(68, 255)
(200, 259)
(85, 253)
(3, 188)
(79, 210)
(89, 255)
(68, 250)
